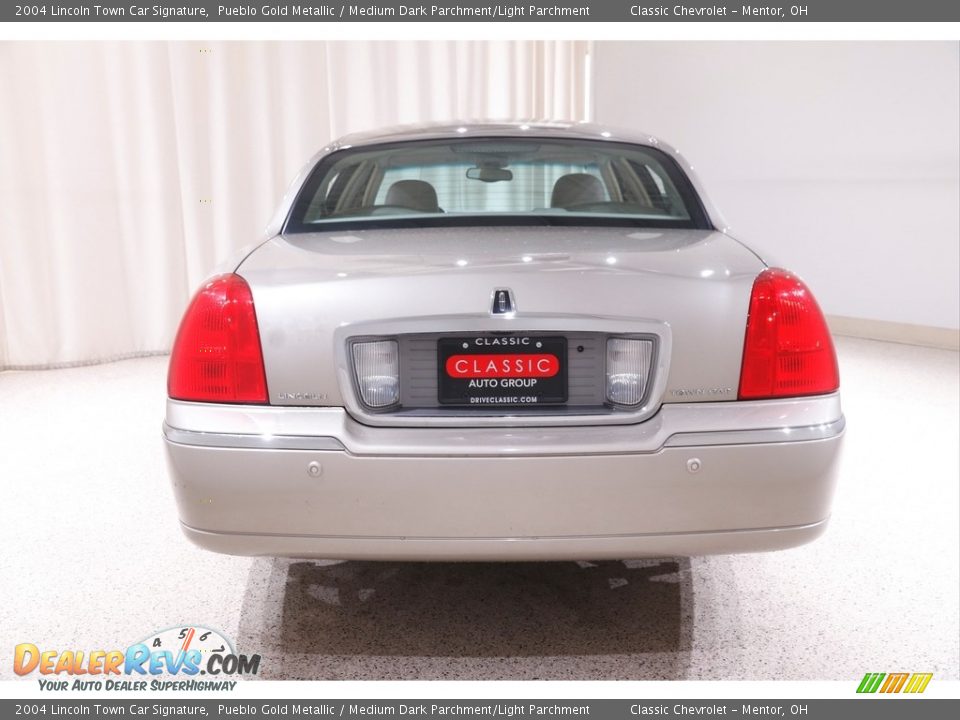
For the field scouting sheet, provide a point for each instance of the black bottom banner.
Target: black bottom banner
(874, 708)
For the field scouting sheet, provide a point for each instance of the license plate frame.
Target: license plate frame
(527, 356)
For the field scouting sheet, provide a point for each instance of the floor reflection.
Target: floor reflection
(469, 620)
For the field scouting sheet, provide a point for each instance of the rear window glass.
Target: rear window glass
(479, 181)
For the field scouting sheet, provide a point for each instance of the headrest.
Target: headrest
(413, 194)
(577, 189)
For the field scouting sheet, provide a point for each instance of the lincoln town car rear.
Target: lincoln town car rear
(501, 342)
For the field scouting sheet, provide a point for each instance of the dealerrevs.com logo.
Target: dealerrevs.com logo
(170, 659)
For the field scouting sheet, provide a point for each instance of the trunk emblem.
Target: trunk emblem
(503, 302)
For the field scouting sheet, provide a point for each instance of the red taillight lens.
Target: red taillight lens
(216, 356)
(788, 350)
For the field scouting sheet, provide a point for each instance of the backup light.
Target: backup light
(628, 367)
(377, 367)
(217, 356)
(787, 350)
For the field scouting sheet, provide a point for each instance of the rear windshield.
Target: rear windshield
(496, 181)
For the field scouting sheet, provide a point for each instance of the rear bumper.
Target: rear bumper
(721, 478)
(616, 547)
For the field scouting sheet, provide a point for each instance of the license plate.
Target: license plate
(497, 371)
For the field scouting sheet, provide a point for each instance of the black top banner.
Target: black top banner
(578, 11)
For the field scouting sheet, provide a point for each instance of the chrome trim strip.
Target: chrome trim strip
(822, 431)
(511, 538)
(255, 442)
(661, 432)
(671, 420)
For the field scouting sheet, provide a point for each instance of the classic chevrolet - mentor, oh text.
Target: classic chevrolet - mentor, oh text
(508, 341)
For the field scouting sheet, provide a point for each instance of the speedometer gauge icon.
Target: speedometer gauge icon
(182, 638)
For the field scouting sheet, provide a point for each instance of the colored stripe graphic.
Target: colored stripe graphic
(870, 682)
(918, 682)
(894, 682)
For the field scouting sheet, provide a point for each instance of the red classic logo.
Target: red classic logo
(502, 366)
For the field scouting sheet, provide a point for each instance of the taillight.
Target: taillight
(216, 356)
(788, 350)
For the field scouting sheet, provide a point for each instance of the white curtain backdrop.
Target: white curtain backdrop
(129, 170)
